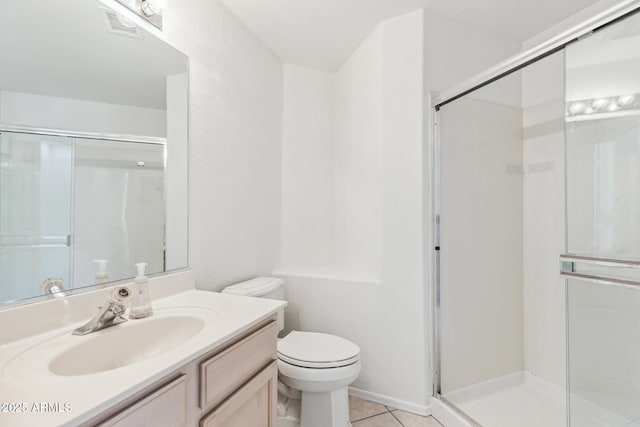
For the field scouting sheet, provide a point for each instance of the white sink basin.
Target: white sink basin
(168, 332)
(125, 344)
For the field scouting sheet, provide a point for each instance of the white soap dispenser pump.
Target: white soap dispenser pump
(140, 301)
(101, 276)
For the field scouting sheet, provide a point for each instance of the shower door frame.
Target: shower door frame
(435, 102)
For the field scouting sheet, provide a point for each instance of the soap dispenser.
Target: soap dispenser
(140, 301)
(101, 276)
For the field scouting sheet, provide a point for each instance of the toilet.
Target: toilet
(314, 369)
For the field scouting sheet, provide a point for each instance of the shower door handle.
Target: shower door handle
(600, 270)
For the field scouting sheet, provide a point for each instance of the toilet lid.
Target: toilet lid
(316, 350)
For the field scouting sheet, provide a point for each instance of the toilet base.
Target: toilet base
(327, 409)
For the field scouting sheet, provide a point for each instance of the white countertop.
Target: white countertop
(26, 382)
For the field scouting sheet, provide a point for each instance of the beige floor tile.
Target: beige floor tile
(390, 408)
(382, 420)
(359, 408)
(412, 420)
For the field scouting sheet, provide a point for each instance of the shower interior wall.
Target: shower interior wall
(506, 276)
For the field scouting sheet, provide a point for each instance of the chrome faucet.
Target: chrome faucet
(111, 313)
(53, 286)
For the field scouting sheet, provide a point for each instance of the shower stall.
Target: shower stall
(537, 235)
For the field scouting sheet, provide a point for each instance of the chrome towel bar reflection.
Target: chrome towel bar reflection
(35, 241)
(588, 268)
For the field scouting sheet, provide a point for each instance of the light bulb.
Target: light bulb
(153, 7)
(600, 103)
(576, 107)
(626, 100)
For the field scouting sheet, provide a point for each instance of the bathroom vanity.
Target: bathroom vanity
(203, 358)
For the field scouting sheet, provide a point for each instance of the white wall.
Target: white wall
(358, 158)
(332, 164)
(307, 168)
(403, 270)
(373, 293)
(455, 52)
(177, 172)
(26, 109)
(235, 134)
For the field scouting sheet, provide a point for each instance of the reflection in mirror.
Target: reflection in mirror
(602, 116)
(119, 209)
(93, 149)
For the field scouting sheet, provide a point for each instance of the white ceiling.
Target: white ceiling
(323, 33)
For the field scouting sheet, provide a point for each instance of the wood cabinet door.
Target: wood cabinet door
(253, 404)
(165, 407)
(225, 372)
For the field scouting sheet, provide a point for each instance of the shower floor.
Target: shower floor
(521, 400)
(518, 405)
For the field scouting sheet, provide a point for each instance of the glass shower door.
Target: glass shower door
(603, 226)
(119, 211)
(35, 212)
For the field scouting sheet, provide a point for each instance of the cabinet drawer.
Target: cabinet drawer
(164, 407)
(225, 372)
(254, 404)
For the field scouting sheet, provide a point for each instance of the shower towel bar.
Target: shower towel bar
(35, 241)
(590, 271)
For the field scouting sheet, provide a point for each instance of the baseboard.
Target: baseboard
(391, 401)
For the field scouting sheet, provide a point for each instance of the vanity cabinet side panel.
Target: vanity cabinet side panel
(224, 373)
(252, 405)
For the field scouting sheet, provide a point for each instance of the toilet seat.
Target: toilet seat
(315, 350)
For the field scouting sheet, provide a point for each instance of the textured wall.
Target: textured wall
(307, 167)
(235, 120)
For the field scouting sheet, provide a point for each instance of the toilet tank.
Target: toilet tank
(261, 287)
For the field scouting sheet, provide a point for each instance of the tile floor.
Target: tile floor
(364, 413)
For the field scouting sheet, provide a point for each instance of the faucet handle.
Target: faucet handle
(117, 300)
(121, 293)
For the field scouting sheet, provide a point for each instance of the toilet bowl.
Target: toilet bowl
(314, 368)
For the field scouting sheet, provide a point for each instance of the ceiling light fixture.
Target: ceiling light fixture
(150, 10)
(153, 7)
(603, 107)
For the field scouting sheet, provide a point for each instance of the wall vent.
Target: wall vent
(118, 24)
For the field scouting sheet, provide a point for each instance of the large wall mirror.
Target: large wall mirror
(93, 149)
